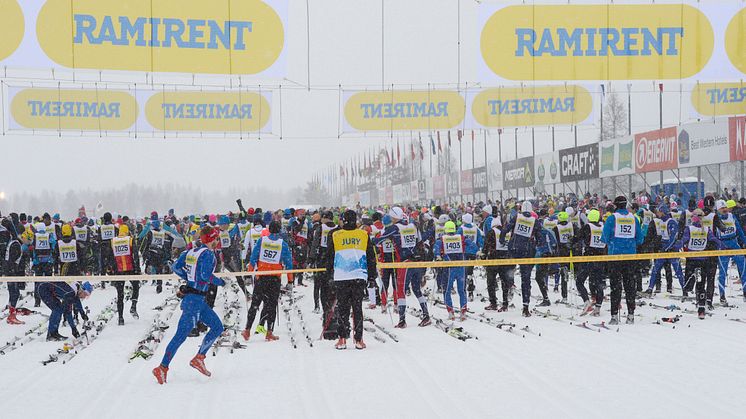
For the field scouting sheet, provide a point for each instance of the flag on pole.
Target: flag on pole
(440, 148)
(422, 149)
(459, 134)
(449, 139)
(432, 144)
(411, 151)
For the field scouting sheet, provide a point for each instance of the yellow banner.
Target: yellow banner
(715, 99)
(597, 42)
(404, 110)
(73, 109)
(515, 106)
(186, 36)
(208, 111)
(13, 26)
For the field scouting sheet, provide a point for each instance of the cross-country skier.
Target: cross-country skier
(452, 247)
(730, 232)
(524, 232)
(126, 262)
(696, 238)
(669, 231)
(62, 299)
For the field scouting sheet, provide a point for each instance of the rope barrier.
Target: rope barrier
(98, 278)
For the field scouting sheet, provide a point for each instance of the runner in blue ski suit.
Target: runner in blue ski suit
(456, 274)
(196, 267)
(730, 232)
(669, 233)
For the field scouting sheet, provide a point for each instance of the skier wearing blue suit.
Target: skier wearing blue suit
(622, 234)
(474, 234)
(452, 247)
(196, 267)
(730, 232)
(669, 233)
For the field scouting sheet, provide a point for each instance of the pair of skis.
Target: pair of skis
(383, 330)
(147, 346)
(72, 347)
(30, 335)
(507, 327)
(448, 328)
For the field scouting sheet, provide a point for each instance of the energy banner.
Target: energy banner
(656, 150)
(617, 157)
(611, 41)
(402, 110)
(224, 37)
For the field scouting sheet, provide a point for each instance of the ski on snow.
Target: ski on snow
(385, 331)
(71, 348)
(30, 335)
(146, 347)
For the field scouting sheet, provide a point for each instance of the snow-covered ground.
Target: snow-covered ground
(694, 368)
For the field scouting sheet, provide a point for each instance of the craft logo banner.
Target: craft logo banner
(181, 36)
(13, 27)
(403, 110)
(703, 143)
(717, 99)
(579, 163)
(208, 111)
(467, 182)
(518, 107)
(71, 109)
(617, 157)
(656, 150)
(479, 180)
(737, 138)
(597, 41)
(547, 168)
(518, 173)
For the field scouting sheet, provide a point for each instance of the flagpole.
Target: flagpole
(487, 192)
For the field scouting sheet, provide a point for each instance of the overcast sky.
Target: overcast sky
(420, 38)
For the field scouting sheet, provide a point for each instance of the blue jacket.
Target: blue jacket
(47, 257)
(710, 239)
(520, 246)
(472, 248)
(204, 276)
(438, 251)
(732, 239)
(547, 246)
(622, 246)
(286, 257)
(673, 232)
(392, 232)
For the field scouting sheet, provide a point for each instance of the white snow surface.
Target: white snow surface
(647, 370)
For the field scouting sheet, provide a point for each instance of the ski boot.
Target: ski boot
(341, 344)
(451, 314)
(723, 301)
(425, 322)
(545, 303)
(614, 320)
(55, 337)
(701, 313)
(587, 308)
(246, 333)
(491, 307)
(710, 307)
(648, 293)
(160, 373)
(371, 306)
(563, 300)
(120, 322)
(158, 289)
(270, 337)
(596, 312)
(669, 289)
(684, 297)
(401, 325)
(383, 309)
(462, 315)
(630, 319)
(503, 308)
(316, 310)
(359, 344)
(12, 319)
(133, 310)
(525, 312)
(198, 363)
(556, 289)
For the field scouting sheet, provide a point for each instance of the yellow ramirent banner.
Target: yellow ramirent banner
(568, 259)
(98, 278)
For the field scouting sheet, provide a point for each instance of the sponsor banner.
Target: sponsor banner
(439, 187)
(209, 111)
(452, 184)
(597, 41)
(617, 157)
(175, 36)
(467, 182)
(703, 143)
(479, 180)
(71, 109)
(717, 99)
(403, 110)
(737, 138)
(547, 168)
(519, 173)
(421, 190)
(656, 150)
(579, 163)
(495, 173)
(529, 106)
(13, 24)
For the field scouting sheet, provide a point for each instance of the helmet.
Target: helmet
(224, 220)
(527, 206)
(467, 218)
(563, 216)
(620, 202)
(397, 213)
(594, 216)
(275, 227)
(124, 230)
(443, 218)
(87, 287)
(450, 227)
(327, 215)
(730, 203)
(349, 217)
(720, 204)
(570, 211)
(287, 212)
(487, 209)
(67, 231)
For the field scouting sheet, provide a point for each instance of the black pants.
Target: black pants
(593, 271)
(233, 264)
(350, 296)
(119, 285)
(622, 276)
(41, 269)
(267, 291)
(507, 275)
(470, 273)
(542, 273)
(712, 266)
(317, 278)
(704, 282)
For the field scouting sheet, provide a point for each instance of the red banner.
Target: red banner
(439, 187)
(467, 183)
(737, 138)
(656, 150)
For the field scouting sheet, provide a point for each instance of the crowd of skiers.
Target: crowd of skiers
(348, 243)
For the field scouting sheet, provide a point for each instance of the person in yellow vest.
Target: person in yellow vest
(127, 263)
(351, 263)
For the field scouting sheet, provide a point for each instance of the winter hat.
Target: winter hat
(275, 227)
(730, 203)
(487, 209)
(719, 204)
(620, 202)
(208, 234)
(224, 220)
(467, 218)
(527, 206)
(594, 216)
(87, 287)
(67, 231)
(124, 230)
(563, 216)
(443, 218)
(396, 213)
(450, 227)
(387, 220)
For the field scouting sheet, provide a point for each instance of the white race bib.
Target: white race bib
(524, 226)
(596, 232)
(190, 264)
(408, 235)
(499, 246)
(625, 226)
(42, 241)
(453, 244)
(81, 233)
(729, 225)
(159, 238)
(121, 246)
(107, 231)
(697, 238)
(387, 246)
(270, 251)
(565, 232)
(68, 251)
(225, 239)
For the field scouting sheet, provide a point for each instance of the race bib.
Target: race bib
(730, 227)
(596, 237)
(303, 231)
(42, 241)
(270, 251)
(68, 252)
(225, 239)
(565, 233)
(159, 238)
(408, 236)
(107, 232)
(81, 234)
(453, 244)
(524, 226)
(697, 239)
(387, 246)
(190, 264)
(625, 226)
(499, 246)
(470, 233)
(121, 246)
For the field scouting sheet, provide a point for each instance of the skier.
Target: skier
(669, 231)
(494, 250)
(196, 266)
(695, 239)
(230, 249)
(589, 237)
(622, 234)
(731, 234)
(271, 253)
(565, 231)
(524, 231)
(44, 249)
(62, 299)
(127, 262)
(155, 252)
(11, 259)
(351, 260)
(319, 253)
(69, 252)
(452, 247)
(476, 237)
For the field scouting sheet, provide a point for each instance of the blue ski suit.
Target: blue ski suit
(522, 244)
(198, 274)
(61, 298)
(668, 244)
(732, 237)
(456, 274)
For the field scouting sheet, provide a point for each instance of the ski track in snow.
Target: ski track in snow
(645, 370)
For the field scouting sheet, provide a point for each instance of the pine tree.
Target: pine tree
(614, 118)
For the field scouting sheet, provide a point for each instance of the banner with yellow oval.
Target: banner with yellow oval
(72, 109)
(403, 110)
(183, 36)
(209, 111)
(718, 99)
(530, 106)
(13, 26)
(595, 41)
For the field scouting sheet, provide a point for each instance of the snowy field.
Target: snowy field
(693, 368)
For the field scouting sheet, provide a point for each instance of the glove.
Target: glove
(181, 292)
(76, 334)
(84, 317)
